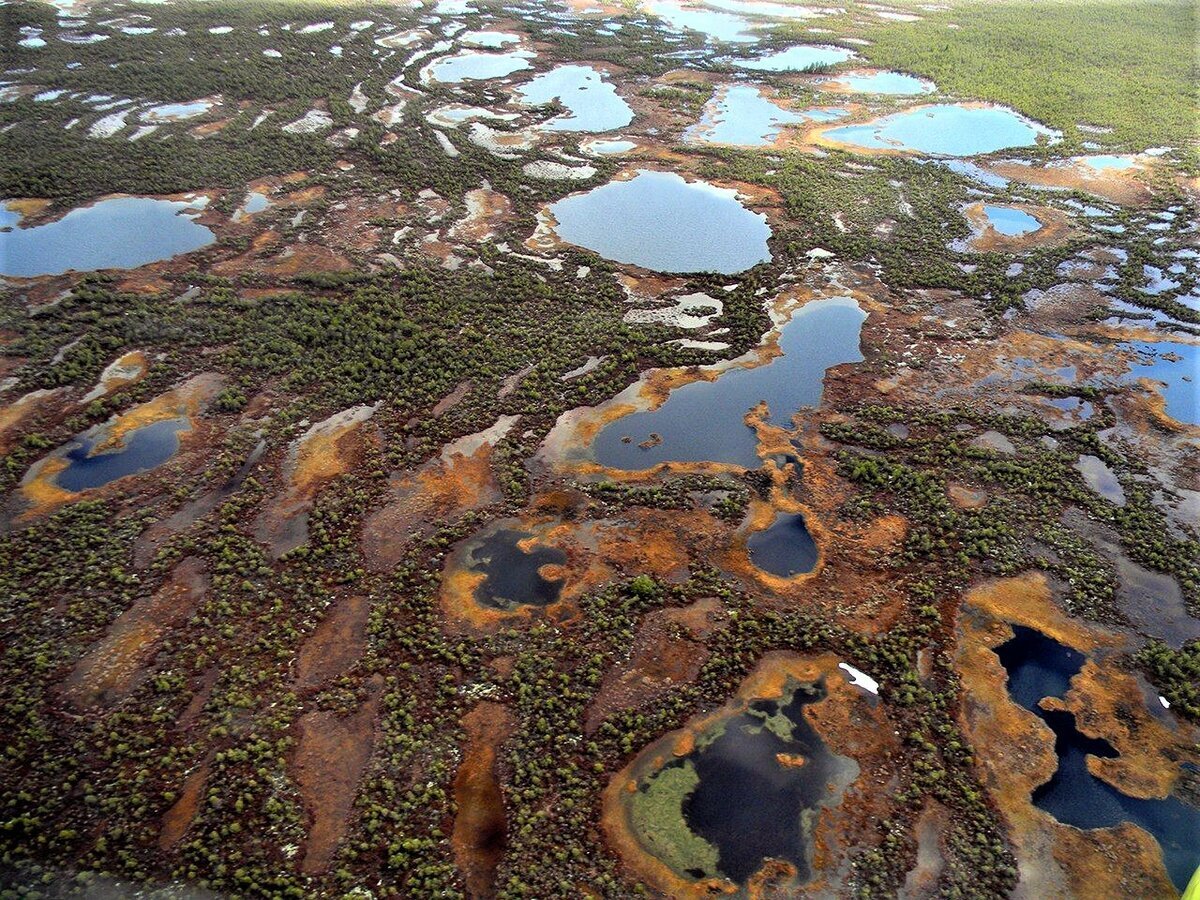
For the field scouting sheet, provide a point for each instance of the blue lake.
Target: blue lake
(472, 66)
(742, 116)
(1176, 367)
(894, 83)
(1040, 667)
(120, 233)
(704, 420)
(797, 59)
(592, 103)
(786, 548)
(1009, 221)
(944, 130)
(142, 449)
(662, 222)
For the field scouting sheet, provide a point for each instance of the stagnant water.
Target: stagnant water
(1009, 221)
(1175, 367)
(704, 420)
(882, 82)
(119, 233)
(662, 222)
(785, 548)
(470, 65)
(1039, 666)
(511, 576)
(749, 803)
(797, 59)
(742, 116)
(141, 450)
(592, 103)
(945, 130)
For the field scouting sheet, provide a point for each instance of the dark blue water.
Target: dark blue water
(662, 222)
(749, 805)
(785, 548)
(143, 449)
(511, 574)
(1039, 667)
(704, 420)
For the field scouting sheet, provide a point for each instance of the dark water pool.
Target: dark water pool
(511, 573)
(763, 777)
(1039, 667)
(143, 449)
(785, 548)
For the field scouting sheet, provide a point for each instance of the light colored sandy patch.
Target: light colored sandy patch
(123, 371)
(487, 210)
(556, 171)
(681, 314)
(310, 123)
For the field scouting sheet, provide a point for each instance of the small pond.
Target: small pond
(592, 103)
(797, 59)
(704, 420)
(471, 65)
(490, 39)
(1175, 366)
(607, 147)
(882, 82)
(119, 233)
(640, 221)
(173, 112)
(948, 129)
(1009, 221)
(140, 450)
(512, 575)
(712, 23)
(742, 116)
(785, 549)
(1038, 667)
(751, 791)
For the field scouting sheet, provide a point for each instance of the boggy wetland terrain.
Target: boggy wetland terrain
(572, 449)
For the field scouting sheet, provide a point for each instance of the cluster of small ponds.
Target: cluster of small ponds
(1039, 667)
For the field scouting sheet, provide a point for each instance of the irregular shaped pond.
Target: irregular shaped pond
(1174, 366)
(592, 103)
(1039, 667)
(945, 130)
(741, 115)
(1009, 221)
(490, 39)
(881, 82)
(751, 791)
(797, 59)
(765, 8)
(512, 575)
(712, 23)
(140, 450)
(607, 147)
(172, 112)
(471, 65)
(119, 233)
(660, 221)
(785, 548)
(705, 420)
